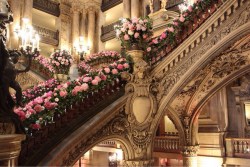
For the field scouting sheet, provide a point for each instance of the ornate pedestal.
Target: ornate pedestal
(10, 148)
(140, 108)
(189, 154)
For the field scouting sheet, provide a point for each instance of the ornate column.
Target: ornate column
(64, 27)
(13, 40)
(75, 30)
(27, 12)
(91, 28)
(83, 24)
(126, 8)
(135, 8)
(189, 154)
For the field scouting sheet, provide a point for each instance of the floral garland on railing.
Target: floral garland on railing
(181, 28)
(96, 59)
(41, 65)
(41, 108)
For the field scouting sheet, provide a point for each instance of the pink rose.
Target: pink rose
(170, 29)
(163, 35)
(94, 82)
(107, 70)
(155, 41)
(104, 77)
(120, 67)
(114, 71)
(190, 9)
(136, 35)
(126, 65)
(38, 108)
(35, 126)
(63, 93)
(144, 36)
(84, 87)
(148, 49)
(126, 37)
(176, 23)
(97, 78)
(182, 19)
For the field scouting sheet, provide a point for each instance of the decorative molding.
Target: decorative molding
(190, 151)
(108, 4)
(47, 6)
(47, 36)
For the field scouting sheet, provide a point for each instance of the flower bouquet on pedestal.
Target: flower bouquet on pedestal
(61, 61)
(134, 33)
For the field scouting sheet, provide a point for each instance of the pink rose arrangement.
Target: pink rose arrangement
(134, 32)
(61, 61)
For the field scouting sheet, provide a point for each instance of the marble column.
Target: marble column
(27, 12)
(75, 33)
(189, 154)
(127, 8)
(91, 29)
(13, 39)
(135, 8)
(83, 25)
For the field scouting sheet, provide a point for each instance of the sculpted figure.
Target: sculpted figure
(6, 112)
(10, 73)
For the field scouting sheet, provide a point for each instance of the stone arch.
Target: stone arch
(197, 110)
(205, 59)
(125, 145)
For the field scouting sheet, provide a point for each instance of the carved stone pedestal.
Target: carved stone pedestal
(10, 146)
(189, 154)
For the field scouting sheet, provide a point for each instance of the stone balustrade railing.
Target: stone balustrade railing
(107, 143)
(108, 32)
(39, 142)
(169, 144)
(47, 6)
(238, 147)
(47, 36)
(201, 31)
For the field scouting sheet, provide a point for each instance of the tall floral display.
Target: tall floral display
(61, 61)
(134, 33)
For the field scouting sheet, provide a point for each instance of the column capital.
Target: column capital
(190, 151)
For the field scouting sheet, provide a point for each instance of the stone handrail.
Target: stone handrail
(169, 144)
(175, 57)
(238, 147)
(40, 142)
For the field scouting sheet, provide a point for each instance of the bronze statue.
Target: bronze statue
(6, 111)
(9, 76)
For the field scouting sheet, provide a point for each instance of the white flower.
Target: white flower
(56, 99)
(130, 32)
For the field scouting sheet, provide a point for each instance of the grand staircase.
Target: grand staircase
(87, 122)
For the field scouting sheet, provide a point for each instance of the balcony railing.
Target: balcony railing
(170, 144)
(47, 36)
(238, 147)
(107, 143)
(47, 6)
(107, 4)
(108, 32)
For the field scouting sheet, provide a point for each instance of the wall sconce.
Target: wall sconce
(82, 49)
(29, 38)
